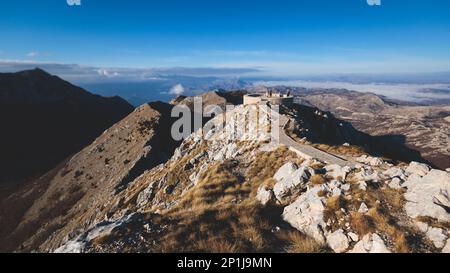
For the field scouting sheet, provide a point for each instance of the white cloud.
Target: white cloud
(106, 73)
(32, 54)
(177, 90)
(83, 73)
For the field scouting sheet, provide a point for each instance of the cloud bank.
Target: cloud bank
(403, 91)
(86, 74)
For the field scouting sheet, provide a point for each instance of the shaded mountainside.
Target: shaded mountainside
(45, 119)
(78, 190)
(422, 128)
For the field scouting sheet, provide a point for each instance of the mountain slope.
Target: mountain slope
(79, 189)
(222, 194)
(45, 119)
(229, 189)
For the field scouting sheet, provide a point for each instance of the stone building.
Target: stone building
(269, 97)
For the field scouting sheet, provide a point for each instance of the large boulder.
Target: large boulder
(291, 180)
(338, 241)
(285, 171)
(427, 196)
(306, 214)
(371, 243)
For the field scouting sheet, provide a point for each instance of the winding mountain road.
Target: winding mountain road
(305, 151)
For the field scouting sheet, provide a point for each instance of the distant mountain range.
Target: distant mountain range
(425, 128)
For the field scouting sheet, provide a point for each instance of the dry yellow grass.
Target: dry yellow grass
(384, 204)
(220, 213)
(300, 243)
(317, 179)
(361, 223)
(354, 151)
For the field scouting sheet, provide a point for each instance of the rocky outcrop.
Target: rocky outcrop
(371, 243)
(416, 168)
(306, 214)
(427, 195)
(291, 180)
(338, 241)
(367, 174)
(337, 172)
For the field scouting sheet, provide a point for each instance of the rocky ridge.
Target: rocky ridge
(219, 194)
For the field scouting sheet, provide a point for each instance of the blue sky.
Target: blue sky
(275, 37)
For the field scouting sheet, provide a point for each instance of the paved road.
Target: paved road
(307, 151)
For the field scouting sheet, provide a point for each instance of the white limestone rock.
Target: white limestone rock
(369, 160)
(337, 172)
(446, 248)
(264, 195)
(437, 236)
(285, 171)
(367, 174)
(334, 184)
(353, 236)
(346, 187)
(336, 192)
(363, 208)
(306, 214)
(145, 196)
(417, 168)
(426, 196)
(442, 199)
(371, 243)
(71, 247)
(395, 172)
(338, 241)
(290, 181)
(396, 183)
